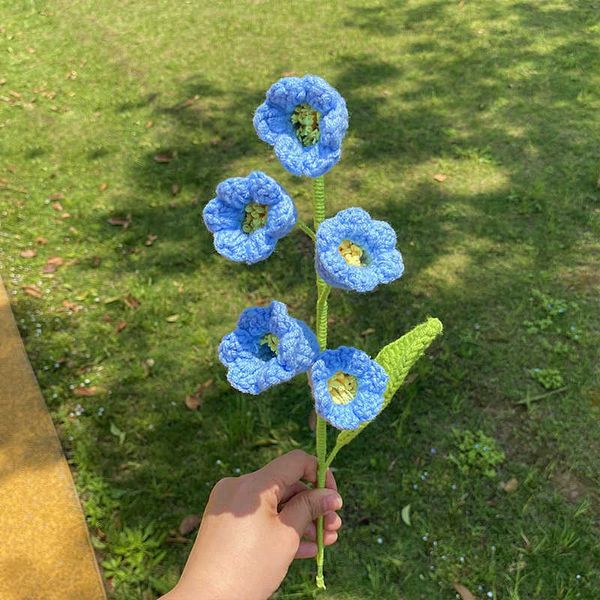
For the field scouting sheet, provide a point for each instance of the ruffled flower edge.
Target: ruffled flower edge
(224, 216)
(241, 352)
(371, 380)
(273, 124)
(377, 239)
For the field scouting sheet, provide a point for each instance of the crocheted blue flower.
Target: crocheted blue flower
(248, 216)
(347, 386)
(267, 347)
(305, 120)
(356, 252)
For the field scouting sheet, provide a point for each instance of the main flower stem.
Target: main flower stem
(321, 326)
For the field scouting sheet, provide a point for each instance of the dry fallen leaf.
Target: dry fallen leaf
(57, 206)
(42, 241)
(103, 186)
(120, 326)
(32, 290)
(124, 222)
(53, 263)
(464, 593)
(68, 305)
(511, 485)
(440, 177)
(87, 391)
(131, 301)
(163, 158)
(66, 215)
(149, 124)
(188, 524)
(56, 196)
(195, 400)
(29, 253)
(151, 239)
(176, 538)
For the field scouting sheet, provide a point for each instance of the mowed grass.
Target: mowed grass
(500, 98)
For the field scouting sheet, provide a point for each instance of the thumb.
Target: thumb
(308, 506)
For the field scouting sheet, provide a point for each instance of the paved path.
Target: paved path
(45, 551)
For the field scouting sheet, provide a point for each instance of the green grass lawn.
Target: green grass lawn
(502, 98)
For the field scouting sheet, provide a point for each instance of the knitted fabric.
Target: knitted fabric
(273, 124)
(371, 382)
(252, 365)
(224, 217)
(382, 263)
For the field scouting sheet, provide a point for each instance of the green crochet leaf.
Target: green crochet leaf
(397, 359)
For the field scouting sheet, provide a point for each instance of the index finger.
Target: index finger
(291, 467)
(286, 470)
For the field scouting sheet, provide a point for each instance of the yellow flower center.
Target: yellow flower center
(305, 120)
(342, 387)
(270, 340)
(255, 216)
(354, 255)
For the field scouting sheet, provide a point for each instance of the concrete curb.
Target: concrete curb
(45, 549)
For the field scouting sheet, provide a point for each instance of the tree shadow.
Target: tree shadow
(470, 254)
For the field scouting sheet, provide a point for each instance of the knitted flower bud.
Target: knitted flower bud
(305, 120)
(248, 217)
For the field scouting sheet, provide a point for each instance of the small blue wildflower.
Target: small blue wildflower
(248, 216)
(305, 120)
(356, 252)
(266, 348)
(347, 386)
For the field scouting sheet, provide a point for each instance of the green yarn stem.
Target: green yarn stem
(307, 230)
(321, 327)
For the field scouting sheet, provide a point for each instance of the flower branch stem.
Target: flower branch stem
(323, 290)
(333, 454)
(307, 230)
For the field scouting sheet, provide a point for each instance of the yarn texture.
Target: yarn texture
(371, 381)
(305, 120)
(266, 348)
(275, 123)
(248, 216)
(356, 252)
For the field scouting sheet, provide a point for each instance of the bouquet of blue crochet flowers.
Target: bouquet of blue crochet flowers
(305, 120)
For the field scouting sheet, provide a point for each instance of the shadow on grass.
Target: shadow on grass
(533, 140)
(472, 257)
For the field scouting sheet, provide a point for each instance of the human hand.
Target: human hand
(254, 526)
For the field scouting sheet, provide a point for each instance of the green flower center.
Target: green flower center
(354, 255)
(271, 341)
(255, 216)
(305, 120)
(342, 387)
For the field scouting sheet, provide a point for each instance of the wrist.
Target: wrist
(199, 588)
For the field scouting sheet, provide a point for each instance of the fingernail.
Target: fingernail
(333, 502)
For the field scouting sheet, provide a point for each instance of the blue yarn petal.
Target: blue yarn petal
(272, 121)
(377, 239)
(224, 216)
(371, 381)
(252, 366)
